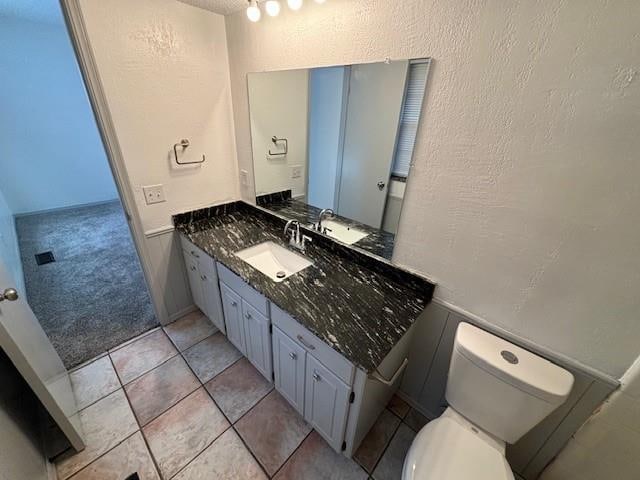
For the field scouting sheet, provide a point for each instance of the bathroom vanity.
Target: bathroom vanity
(333, 337)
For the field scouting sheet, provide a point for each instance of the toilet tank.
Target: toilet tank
(500, 387)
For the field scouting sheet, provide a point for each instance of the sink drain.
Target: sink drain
(281, 274)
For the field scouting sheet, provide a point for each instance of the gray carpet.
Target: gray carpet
(93, 297)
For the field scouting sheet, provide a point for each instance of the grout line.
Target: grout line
(293, 453)
(100, 456)
(143, 373)
(384, 450)
(231, 424)
(134, 339)
(153, 459)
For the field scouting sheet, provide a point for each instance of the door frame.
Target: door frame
(78, 35)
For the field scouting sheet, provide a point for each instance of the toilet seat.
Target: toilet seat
(446, 449)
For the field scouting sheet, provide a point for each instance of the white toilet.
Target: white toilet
(496, 392)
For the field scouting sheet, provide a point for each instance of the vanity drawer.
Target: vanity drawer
(233, 281)
(322, 352)
(190, 249)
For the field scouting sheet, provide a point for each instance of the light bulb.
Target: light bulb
(253, 11)
(320, 1)
(294, 4)
(272, 7)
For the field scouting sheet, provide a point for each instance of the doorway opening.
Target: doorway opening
(64, 235)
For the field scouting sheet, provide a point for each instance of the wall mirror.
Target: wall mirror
(332, 146)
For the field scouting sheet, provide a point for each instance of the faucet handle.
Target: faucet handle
(305, 238)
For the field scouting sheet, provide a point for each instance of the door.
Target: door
(231, 305)
(195, 282)
(257, 339)
(29, 348)
(211, 294)
(288, 369)
(326, 403)
(376, 92)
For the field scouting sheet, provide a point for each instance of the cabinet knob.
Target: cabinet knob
(195, 254)
(193, 268)
(293, 355)
(204, 277)
(316, 377)
(247, 315)
(234, 304)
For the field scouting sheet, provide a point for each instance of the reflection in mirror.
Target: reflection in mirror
(332, 146)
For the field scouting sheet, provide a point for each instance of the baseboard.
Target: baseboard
(68, 207)
(181, 313)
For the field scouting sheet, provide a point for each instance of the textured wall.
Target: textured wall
(165, 72)
(48, 136)
(523, 201)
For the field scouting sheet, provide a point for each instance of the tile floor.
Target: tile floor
(180, 402)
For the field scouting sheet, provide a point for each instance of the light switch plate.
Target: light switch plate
(244, 178)
(153, 194)
(296, 171)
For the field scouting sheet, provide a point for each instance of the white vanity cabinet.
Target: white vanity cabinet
(313, 377)
(289, 363)
(203, 280)
(247, 318)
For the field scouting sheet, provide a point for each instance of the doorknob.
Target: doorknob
(381, 185)
(10, 294)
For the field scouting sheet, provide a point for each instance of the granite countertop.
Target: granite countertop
(359, 309)
(377, 241)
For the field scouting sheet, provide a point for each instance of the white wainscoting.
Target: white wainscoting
(425, 380)
(168, 272)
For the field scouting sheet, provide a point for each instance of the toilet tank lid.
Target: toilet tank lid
(519, 367)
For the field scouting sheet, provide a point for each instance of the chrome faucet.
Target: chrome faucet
(321, 215)
(296, 240)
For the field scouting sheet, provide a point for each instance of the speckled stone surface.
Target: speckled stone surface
(359, 305)
(377, 241)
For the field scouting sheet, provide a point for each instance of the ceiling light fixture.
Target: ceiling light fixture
(294, 4)
(272, 7)
(320, 1)
(253, 11)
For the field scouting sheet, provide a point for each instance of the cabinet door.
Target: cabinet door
(212, 298)
(326, 403)
(288, 369)
(233, 317)
(195, 282)
(257, 339)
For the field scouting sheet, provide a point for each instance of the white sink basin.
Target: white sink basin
(342, 232)
(274, 261)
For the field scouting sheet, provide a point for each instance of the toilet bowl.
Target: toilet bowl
(496, 392)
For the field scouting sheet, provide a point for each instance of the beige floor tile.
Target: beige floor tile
(226, 459)
(391, 463)
(177, 436)
(272, 430)
(142, 355)
(160, 389)
(374, 443)
(211, 356)
(130, 457)
(94, 381)
(316, 460)
(106, 423)
(238, 388)
(398, 406)
(190, 329)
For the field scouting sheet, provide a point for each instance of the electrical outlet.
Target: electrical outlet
(296, 171)
(153, 194)
(244, 178)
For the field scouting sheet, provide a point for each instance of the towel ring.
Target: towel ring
(275, 141)
(184, 143)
